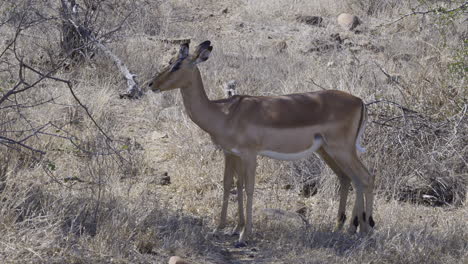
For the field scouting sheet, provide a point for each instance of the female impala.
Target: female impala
(288, 127)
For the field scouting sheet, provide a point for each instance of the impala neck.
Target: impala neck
(200, 109)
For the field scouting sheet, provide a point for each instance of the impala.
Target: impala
(287, 127)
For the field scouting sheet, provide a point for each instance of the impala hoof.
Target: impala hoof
(240, 244)
(371, 222)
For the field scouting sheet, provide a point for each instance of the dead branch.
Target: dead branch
(393, 103)
(392, 79)
(78, 34)
(174, 41)
(461, 7)
(133, 90)
(314, 83)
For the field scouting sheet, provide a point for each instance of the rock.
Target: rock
(161, 179)
(177, 260)
(165, 179)
(310, 20)
(348, 21)
(281, 46)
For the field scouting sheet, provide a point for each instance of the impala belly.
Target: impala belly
(318, 141)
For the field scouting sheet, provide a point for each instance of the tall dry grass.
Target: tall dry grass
(89, 200)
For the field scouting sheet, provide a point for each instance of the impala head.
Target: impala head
(179, 72)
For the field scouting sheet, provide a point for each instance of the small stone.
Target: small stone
(348, 21)
(165, 179)
(281, 46)
(309, 20)
(177, 260)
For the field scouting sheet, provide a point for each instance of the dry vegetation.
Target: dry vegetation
(90, 199)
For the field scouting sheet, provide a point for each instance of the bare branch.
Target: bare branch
(28, 106)
(76, 29)
(314, 83)
(393, 103)
(461, 7)
(10, 143)
(392, 79)
(70, 87)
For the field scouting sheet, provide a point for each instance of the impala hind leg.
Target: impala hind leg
(347, 162)
(369, 203)
(368, 189)
(368, 192)
(344, 187)
(344, 190)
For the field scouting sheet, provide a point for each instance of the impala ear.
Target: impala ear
(202, 53)
(183, 51)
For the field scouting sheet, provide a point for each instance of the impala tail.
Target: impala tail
(362, 127)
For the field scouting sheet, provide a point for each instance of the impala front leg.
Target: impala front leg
(240, 201)
(249, 165)
(229, 163)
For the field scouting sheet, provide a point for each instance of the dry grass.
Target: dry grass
(82, 203)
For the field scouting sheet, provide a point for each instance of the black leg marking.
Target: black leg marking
(356, 221)
(371, 221)
(342, 217)
(364, 217)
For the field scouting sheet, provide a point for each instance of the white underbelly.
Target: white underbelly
(293, 156)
